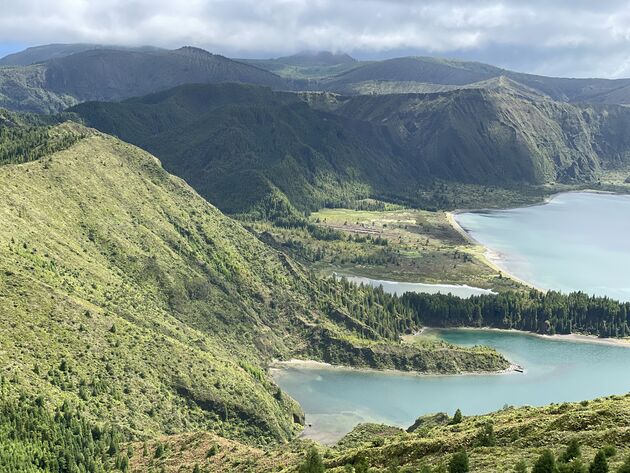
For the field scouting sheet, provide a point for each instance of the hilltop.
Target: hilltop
(116, 74)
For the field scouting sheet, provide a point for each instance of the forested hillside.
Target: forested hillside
(236, 145)
(239, 146)
(499, 134)
(126, 295)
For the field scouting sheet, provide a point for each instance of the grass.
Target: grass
(127, 294)
(400, 244)
(520, 434)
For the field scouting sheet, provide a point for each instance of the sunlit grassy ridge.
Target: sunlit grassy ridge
(125, 293)
(518, 434)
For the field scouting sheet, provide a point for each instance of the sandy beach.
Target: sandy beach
(486, 255)
(278, 365)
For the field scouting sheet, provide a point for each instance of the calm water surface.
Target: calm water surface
(578, 241)
(335, 400)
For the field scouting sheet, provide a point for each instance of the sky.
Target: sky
(572, 38)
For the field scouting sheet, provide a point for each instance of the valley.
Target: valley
(192, 249)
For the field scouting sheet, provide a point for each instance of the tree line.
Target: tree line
(534, 311)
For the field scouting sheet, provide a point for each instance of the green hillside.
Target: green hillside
(499, 135)
(236, 145)
(126, 295)
(241, 147)
(494, 443)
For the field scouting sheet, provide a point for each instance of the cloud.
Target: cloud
(558, 37)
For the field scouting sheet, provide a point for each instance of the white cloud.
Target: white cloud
(562, 37)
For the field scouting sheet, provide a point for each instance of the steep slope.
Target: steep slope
(516, 435)
(237, 144)
(104, 74)
(125, 293)
(499, 134)
(46, 52)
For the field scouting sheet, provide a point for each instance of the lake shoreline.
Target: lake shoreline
(283, 365)
(435, 286)
(496, 260)
(487, 256)
(572, 337)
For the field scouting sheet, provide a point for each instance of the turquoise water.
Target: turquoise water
(399, 288)
(578, 241)
(336, 399)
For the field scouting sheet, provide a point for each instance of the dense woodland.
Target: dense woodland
(37, 437)
(535, 311)
(28, 137)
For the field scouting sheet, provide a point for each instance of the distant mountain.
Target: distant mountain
(317, 58)
(47, 52)
(308, 65)
(237, 145)
(402, 75)
(418, 69)
(499, 134)
(105, 74)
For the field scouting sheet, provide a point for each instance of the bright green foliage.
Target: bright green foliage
(564, 313)
(313, 462)
(127, 293)
(599, 463)
(458, 463)
(35, 436)
(625, 468)
(572, 451)
(546, 463)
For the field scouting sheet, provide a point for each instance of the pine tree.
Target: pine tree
(599, 464)
(459, 463)
(546, 463)
(520, 467)
(572, 451)
(457, 418)
(313, 462)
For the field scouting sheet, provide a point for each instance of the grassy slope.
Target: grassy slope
(421, 246)
(123, 290)
(521, 434)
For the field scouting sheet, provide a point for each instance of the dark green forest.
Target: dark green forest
(535, 311)
(28, 137)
